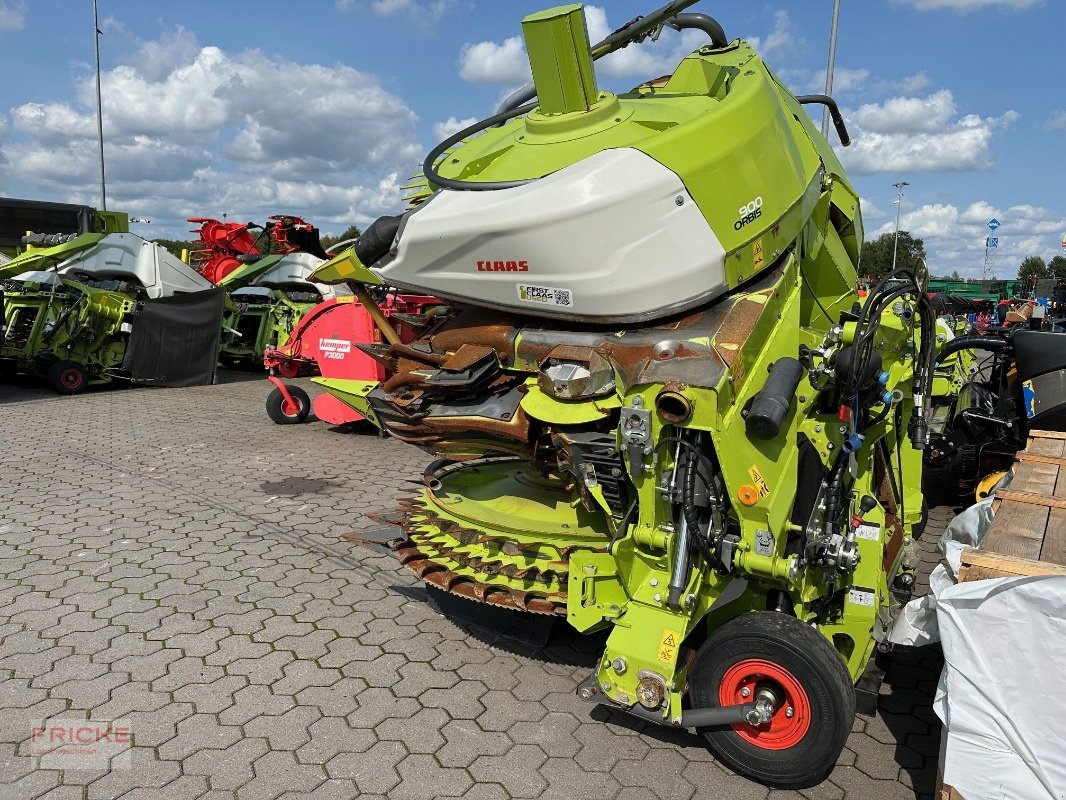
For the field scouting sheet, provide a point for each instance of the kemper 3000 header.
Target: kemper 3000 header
(658, 403)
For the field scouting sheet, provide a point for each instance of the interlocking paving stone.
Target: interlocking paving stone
(174, 559)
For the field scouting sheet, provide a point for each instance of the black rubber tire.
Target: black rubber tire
(786, 642)
(275, 406)
(68, 377)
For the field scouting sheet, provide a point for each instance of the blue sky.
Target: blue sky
(323, 107)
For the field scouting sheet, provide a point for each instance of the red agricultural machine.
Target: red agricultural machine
(326, 342)
(229, 245)
(223, 245)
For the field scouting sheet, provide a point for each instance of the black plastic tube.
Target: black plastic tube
(990, 343)
(702, 22)
(834, 113)
(770, 406)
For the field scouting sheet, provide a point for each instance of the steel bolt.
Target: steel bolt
(790, 712)
(843, 429)
(745, 692)
(680, 200)
(606, 686)
(658, 598)
(654, 581)
(619, 665)
(587, 692)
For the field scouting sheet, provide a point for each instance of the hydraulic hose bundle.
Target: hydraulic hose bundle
(863, 353)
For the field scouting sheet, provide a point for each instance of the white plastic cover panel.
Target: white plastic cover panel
(128, 257)
(614, 237)
(296, 268)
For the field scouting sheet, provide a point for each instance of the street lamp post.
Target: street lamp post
(830, 66)
(99, 108)
(899, 205)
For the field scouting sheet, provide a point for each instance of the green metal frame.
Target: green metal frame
(729, 129)
(71, 321)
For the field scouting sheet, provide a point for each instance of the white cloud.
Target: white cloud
(870, 210)
(844, 80)
(442, 130)
(966, 6)
(506, 62)
(1056, 122)
(908, 114)
(213, 131)
(908, 85)
(489, 62)
(912, 134)
(423, 13)
(12, 15)
(955, 238)
(781, 38)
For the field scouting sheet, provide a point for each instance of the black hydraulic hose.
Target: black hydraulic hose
(702, 22)
(973, 342)
(518, 103)
(623, 524)
(429, 168)
(62, 319)
(926, 352)
(834, 484)
(834, 113)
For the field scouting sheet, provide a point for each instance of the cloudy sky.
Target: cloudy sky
(323, 108)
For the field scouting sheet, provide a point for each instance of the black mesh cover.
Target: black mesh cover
(175, 340)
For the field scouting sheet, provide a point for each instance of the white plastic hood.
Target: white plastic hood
(296, 268)
(615, 237)
(128, 257)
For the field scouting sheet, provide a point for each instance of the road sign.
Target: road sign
(993, 224)
(993, 241)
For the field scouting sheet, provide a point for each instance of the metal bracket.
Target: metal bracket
(635, 424)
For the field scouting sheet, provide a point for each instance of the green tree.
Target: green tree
(1032, 267)
(351, 232)
(1057, 267)
(175, 246)
(876, 256)
(955, 276)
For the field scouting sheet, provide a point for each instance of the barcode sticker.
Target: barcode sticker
(861, 597)
(871, 532)
(545, 295)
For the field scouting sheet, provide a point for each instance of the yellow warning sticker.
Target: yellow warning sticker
(756, 253)
(758, 481)
(668, 646)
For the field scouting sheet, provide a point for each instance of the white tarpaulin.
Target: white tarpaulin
(1004, 646)
(999, 696)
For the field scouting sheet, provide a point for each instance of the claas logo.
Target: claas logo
(503, 266)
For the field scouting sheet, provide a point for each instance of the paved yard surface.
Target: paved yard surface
(173, 559)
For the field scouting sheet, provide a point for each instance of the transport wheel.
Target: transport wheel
(285, 413)
(288, 370)
(815, 698)
(68, 377)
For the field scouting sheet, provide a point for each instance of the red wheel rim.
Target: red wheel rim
(290, 409)
(782, 731)
(70, 378)
(288, 369)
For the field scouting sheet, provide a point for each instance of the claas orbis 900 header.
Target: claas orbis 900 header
(667, 413)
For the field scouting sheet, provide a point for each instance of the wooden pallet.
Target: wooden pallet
(1028, 534)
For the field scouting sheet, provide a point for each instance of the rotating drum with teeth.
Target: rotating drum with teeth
(495, 532)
